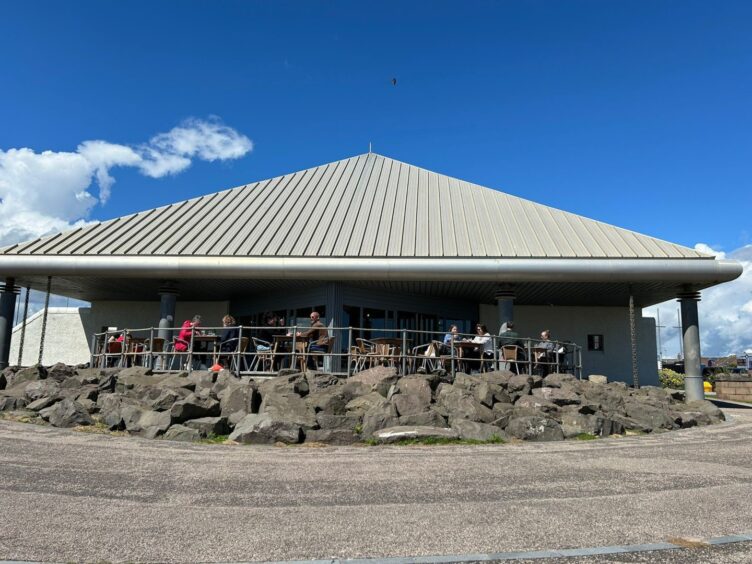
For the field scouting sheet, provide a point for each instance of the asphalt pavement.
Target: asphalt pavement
(74, 496)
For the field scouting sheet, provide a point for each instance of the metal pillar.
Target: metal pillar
(44, 319)
(7, 309)
(691, 338)
(168, 297)
(633, 342)
(505, 304)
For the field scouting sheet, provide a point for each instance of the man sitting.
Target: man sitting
(318, 338)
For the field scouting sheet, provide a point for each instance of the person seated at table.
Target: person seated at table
(449, 338)
(317, 336)
(484, 350)
(544, 354)
(189, 328)
(230, 334)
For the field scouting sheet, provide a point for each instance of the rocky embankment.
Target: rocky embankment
(376, 405)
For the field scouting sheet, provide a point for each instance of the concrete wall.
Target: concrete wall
(65, 338)
(569, 323)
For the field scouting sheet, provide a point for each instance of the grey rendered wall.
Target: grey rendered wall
(65, 337)
(570, 323)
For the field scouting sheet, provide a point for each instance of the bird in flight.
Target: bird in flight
(394, 82)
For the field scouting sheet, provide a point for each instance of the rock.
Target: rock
(261, 428)
(290, 408)
(194, 407)
(89, 375)
(66, 413)
(332, 436)
(557, 396)
(456, 403)
(611, 426)
(131, 417)
(171, 381)
(535, 428)
(485, 391)
(409, 404)
(597, 379)
(555, 380)
(702, 406)
(224, 379)
(289, 384)
(36, 372)
(400, 433)
(59, 372)
(107, 382)
(430, 418)
(318, 381)
(360, 405)
(378, 378)
(519, 385)
(167, 398)
(379, 417)
(41, 389)
(110, 410)
(474, 431)
(181, 433)
(502, 413)
(238, 396)
(209, 426)
(609, 397)
(346, 422)
(327, 399)
(203, 380)
(89, 405)
(154, 423)
(649, 415)
(417, 386)
(536, 403)
(12, 403)
(574, 423)
(41, 403)
(498, 377)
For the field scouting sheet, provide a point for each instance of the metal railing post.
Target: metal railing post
(151, 348)
(190, 352)
(349, 351)
(294, 346)
(93, 350)
(496, 354)
(529, 358)
(404, 350)
(453, 355)
(237, 350)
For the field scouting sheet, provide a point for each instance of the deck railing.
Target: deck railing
(345, 351)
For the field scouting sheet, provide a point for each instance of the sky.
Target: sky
(634, 113)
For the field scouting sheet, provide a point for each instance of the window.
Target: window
(595, 342)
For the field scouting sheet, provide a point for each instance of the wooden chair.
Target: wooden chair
(239, 356)
(264, 357)
(315, 355)
(365, 355)
(113, 355)
(511, 355)
(153, 350)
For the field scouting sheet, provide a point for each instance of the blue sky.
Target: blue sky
(636, 113)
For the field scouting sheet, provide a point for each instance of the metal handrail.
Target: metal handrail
(401, 353)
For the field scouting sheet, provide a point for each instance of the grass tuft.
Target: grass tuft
(586, 437)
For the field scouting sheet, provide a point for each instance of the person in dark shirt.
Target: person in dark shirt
(230, 335)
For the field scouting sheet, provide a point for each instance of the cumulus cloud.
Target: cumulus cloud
(725, 312)
(41, 193)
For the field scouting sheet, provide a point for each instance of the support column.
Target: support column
(168, 296)
(691, 338)
(7, 309)
(335, 312)
(505, 304)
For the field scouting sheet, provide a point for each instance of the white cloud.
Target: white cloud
(41, 193)
(725, 312)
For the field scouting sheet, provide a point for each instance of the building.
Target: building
(375, 242)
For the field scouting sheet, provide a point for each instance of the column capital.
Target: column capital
(168, 287)
(689, 295)
(9, 286)
(505, 292)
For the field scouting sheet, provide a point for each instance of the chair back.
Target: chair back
(157, 344)
(510, 352)
(115, 347)
(243, 344)
(330, 343)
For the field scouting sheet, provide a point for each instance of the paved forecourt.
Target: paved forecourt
(68, 495)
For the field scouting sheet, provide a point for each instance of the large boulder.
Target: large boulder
(332, 436)
(502, 413)
(181, 433)
(60, 372)
(378, 378)
(262, 428)
(536, 403)
(556, 380)
(474, 431)
(701, 406)
(36, 372)
(457, 403)
(485, 390)
(115, 409)
(66, 413)
(41, 389)
(238, 397)
(574, 423)
(154, 423)
(519, 385)
(327, 399)
(289, 408)
(362, 404)
(535, 428)
(193, 407)
(430, 418)
(208, 426)
(558, 395)
(329, 421)
(167, 398)
(318, 381)
(379, 417)
(649, 416)
(286, 384)
(41, 403)
(401, 433)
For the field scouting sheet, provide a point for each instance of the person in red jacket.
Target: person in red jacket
(183, 340)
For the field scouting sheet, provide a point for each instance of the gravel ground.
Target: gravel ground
(72, 496)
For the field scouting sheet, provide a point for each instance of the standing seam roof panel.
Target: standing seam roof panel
(232, 243)
(448, 239)
(349, 232)
(368, 245)
(228, 205)
(369, 211)
(383, 235)
(396, 231)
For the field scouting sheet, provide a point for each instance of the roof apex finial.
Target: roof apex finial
(369, 148)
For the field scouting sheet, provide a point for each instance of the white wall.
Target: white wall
(571, 323)
(65, 337)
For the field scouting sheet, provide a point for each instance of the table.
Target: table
(201, 345)
(282, 346)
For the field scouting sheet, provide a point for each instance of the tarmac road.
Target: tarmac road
(67, 495)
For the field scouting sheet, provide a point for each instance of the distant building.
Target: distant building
(373, 242)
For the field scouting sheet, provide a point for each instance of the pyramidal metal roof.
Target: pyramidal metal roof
(364, 206)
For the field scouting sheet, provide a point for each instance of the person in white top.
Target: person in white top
(483, 339)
